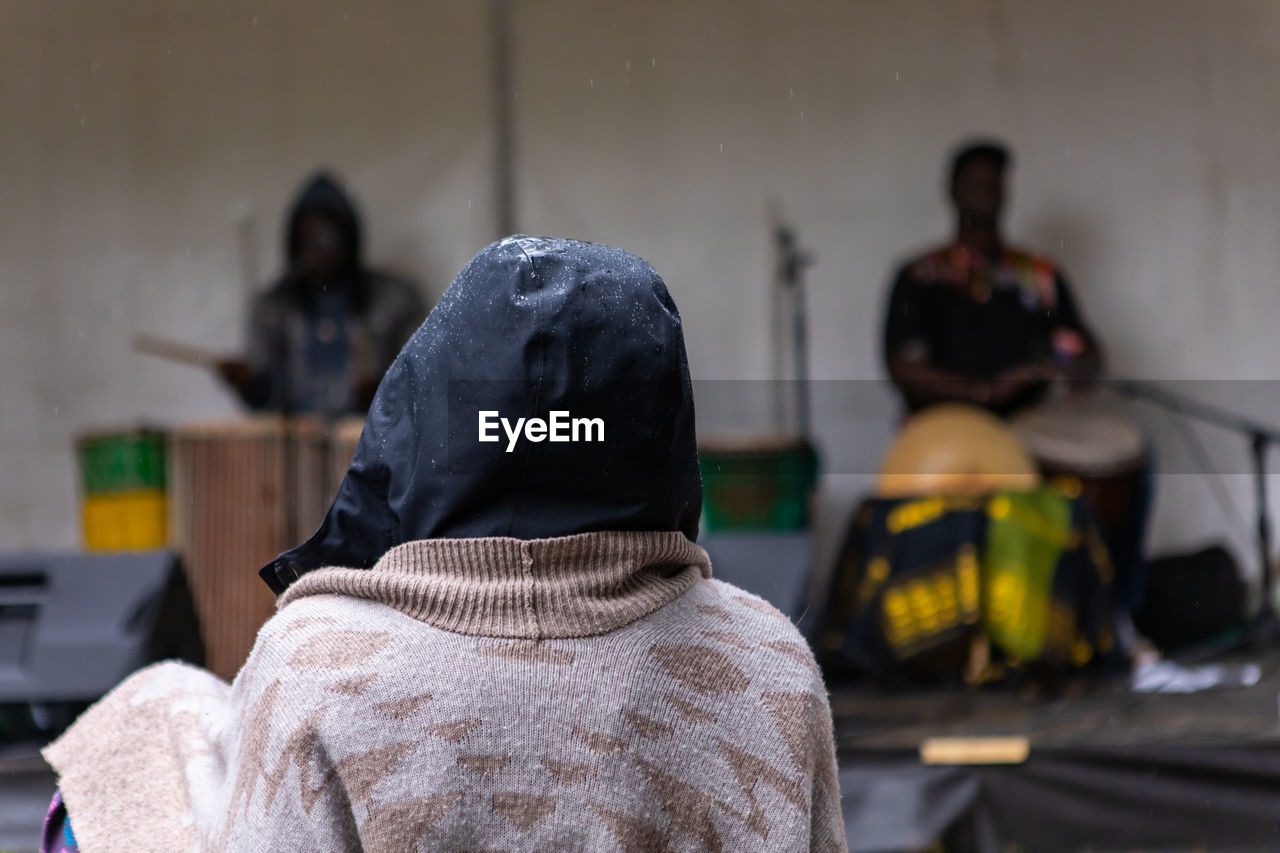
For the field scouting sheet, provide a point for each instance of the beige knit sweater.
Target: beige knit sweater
(591, 692)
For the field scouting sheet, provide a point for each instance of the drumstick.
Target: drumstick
(176, 351)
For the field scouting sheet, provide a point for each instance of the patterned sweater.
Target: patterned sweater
(590, 692)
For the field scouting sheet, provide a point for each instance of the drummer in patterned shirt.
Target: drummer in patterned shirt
(979, 321)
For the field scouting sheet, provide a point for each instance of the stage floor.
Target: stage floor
(1080, 714)
(1108, 769)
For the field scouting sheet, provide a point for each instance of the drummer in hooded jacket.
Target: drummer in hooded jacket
(979, 321)
(321, 339)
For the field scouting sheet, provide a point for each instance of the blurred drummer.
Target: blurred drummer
(978, 320)
(322, 337)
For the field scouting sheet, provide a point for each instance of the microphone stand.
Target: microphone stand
(792, 263)
(1266, 626)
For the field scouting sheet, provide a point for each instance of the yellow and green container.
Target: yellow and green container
(124, 490)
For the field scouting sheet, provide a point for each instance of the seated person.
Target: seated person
(509, 644)
(323, 336)
(979, 321)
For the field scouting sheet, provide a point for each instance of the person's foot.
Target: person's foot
(1138, 649)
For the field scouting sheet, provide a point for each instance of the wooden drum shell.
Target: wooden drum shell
(231, 513)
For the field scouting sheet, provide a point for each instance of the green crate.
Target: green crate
(122, 462)
(758, 485)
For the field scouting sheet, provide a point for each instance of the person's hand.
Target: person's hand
(979, 391)
(1013, 381)
(235, 373)
(1076, 360)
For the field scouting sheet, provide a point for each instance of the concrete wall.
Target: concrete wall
(141, 140)
(1146, 134)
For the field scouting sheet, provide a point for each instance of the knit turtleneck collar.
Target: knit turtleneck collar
(569, 586)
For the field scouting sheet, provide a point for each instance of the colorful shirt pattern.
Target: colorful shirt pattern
(977, 316)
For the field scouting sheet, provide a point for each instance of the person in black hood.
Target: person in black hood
(497, 639)
(530, 328)
(322, 337)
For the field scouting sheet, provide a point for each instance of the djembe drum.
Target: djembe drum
(1095, 451)
(240, 493)
(954, 449)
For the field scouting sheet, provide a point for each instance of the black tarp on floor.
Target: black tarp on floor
(1108, 770)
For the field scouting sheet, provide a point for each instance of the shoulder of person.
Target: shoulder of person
(744, 622)
(1037, 274)
(939, 265)
(319, 631)
(296, 618)
(1027, 259)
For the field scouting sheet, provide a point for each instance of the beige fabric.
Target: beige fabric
(593, 692)
(572, 586)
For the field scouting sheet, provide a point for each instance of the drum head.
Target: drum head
(954, 449)
(1086, 440)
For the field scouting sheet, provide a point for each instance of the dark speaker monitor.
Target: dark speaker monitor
(72, 626)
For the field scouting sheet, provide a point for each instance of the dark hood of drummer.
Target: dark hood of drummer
(324, 334)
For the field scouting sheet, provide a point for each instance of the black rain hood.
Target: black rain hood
(531, 326)
(323, 194)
